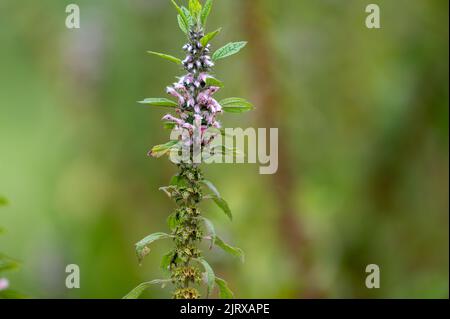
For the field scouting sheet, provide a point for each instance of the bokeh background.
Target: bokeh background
(363, 119)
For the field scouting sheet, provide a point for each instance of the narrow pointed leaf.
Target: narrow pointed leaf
(211, 187)
(160, 150)
(166, 57)
(224, 291)
(208, 37)
(228, 50)
(237, 252)
(181, 13)
(142, 249)
(222, 204)
(182, 24)
(189, 18)
(236, 105)
(159, 102)
(205, 11)
(137, 292)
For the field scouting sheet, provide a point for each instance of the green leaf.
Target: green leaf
(211, 187)
(212, 81)
(195, 8)
(208, 37)
(224, 291)
(210, 229)
(167, 260)
(237, 252)
(137, 292)
(189, 17)
(172, 221)
(181, 13)
(3, 201)
(166, 57)
(178, 180)
(205, 11)
(141, 247)
(160, 150)
(228, 50)
(236, 105)
(182, 24)
(209, 275)
(159, 102)
(222, 205)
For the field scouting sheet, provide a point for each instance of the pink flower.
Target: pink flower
(4, 284)
(174, 93)
(171, 118)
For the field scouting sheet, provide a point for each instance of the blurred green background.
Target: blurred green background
(363, 118)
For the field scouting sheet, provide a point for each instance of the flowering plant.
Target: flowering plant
(196, 111)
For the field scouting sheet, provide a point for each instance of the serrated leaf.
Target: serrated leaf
(205, 12)
(211, 186)
(159, 102)
(160, 150)
(210, 229)
(236, 105)
(182, 24)
(137, 292)
(212, 81)
(208, 37)
(166, 57)
(142, 249)
(235, 251)
(224, 291)
(228, 50)
(210, 277)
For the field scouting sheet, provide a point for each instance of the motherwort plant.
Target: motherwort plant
(194, 124)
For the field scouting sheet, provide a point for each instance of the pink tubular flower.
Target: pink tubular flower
(171, 118)
(174, 93)
(202, 77)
